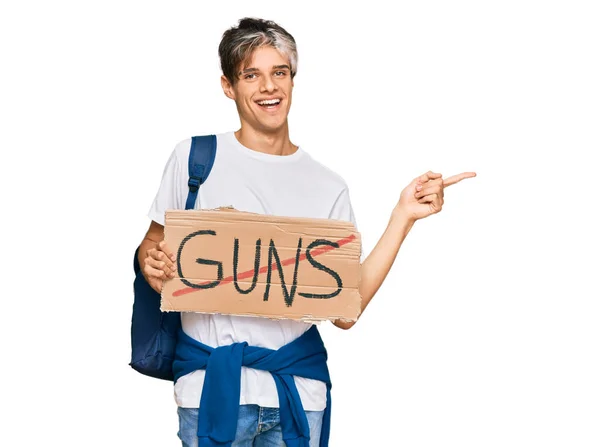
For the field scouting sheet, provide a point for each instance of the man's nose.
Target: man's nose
(268, 85)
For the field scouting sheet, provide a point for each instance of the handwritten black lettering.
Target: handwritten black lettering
(323, 268)
(236, 249)
(199, 261)
(288, 296)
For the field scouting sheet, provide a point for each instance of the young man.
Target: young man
(258, 169)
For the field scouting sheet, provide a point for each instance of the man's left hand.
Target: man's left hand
(425, 194)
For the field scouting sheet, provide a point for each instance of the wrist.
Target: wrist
(403, 218)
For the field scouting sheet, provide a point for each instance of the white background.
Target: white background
(486, 331)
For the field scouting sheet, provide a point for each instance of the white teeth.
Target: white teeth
(269, 102)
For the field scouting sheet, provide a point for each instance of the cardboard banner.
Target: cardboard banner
(240, 263)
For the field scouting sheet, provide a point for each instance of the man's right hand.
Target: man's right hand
(159, 265)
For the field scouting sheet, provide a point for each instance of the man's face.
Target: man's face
(266, 78)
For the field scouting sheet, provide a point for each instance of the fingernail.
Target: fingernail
(419, 187)
(173, 258)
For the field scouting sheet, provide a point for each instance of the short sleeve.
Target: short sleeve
(342, 210)
(170, 192)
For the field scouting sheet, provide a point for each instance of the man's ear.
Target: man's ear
(227, 87)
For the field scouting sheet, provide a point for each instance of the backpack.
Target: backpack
(154, 333)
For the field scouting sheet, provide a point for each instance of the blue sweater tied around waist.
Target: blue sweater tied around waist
(219, 404)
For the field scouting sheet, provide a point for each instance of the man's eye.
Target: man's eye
(248, 76)
(282, 73)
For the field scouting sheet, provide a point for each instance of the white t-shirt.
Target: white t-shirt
(284, 185)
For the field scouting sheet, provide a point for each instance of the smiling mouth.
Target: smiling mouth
(269, 104)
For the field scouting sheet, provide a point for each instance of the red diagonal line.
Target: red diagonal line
(250, 273)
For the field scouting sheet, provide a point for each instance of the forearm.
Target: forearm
(377, 265)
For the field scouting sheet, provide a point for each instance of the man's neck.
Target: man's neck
(275, 144)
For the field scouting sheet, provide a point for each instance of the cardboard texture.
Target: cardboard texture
(223, 257)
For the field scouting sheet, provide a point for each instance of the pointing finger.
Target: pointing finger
(458, 177)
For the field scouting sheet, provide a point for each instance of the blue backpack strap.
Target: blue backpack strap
(154, 333)
(200, 162)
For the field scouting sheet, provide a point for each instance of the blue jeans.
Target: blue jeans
(256, 427)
